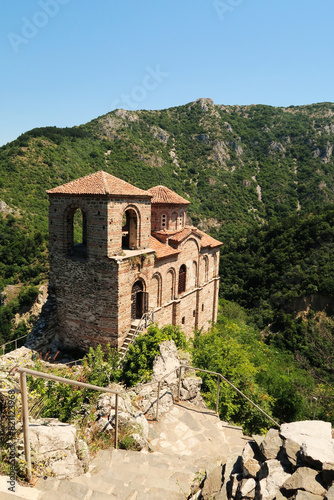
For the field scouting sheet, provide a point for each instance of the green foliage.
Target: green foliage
(278, 247)
(101, 368)
(68, 402)
(270, 270)
(28, 296)
(269, 378)
(25, 299)
(139, 359)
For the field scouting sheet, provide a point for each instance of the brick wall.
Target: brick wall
(93, 286)
(175, 216)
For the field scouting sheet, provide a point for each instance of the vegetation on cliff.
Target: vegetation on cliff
(259, 178)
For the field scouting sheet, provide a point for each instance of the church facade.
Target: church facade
(136, 254)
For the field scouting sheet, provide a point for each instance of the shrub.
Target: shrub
(139, 360)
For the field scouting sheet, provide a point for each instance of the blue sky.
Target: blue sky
(65, 62)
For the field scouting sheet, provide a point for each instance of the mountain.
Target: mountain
(242, 168)
(239, 165)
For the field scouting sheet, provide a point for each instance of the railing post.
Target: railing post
(217, 402)
(158, 397)
(179, 388)
(25, 417)
(15, 344)
(116, 422)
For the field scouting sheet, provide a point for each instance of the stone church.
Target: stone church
(136, 255)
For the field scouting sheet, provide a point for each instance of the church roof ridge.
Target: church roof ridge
(162, 194)
(99, 183)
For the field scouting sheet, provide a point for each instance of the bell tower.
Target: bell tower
(93, 223)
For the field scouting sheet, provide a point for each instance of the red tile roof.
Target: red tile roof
(161, 194)
(208, 241)
(158, 239)
(161, 249)
(99, 183)
(182, 235)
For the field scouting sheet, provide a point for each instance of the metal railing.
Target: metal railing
(3, 347)
(25, 417)
(220, 376)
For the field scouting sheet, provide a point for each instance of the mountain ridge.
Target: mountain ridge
(262, 162)
(259, 178)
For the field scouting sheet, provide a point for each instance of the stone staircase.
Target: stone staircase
(187, 441)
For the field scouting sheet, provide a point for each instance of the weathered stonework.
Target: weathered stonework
(127, 262)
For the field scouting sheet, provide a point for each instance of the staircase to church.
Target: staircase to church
(137, 326)
(128, 340)
(186, 442)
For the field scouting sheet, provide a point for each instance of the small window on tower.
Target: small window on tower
(180, 220)
(163, 220)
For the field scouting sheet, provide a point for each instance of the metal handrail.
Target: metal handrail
(11, 341)
(25, 417)
(26, 371)
(220, 376)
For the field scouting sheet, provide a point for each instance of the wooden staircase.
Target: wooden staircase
(128, 340)
(137, 327)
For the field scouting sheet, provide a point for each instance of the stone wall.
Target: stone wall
(86, 297)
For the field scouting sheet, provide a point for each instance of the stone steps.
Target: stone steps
(187, 441)
(126, 475)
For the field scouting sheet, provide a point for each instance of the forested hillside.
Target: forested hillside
(239, 165)
(259, 178)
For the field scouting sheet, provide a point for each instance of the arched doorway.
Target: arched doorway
(139, 300)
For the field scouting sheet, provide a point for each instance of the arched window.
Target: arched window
(206, 268)
(129, 230)
(155, 291)
(169, 286)
(215, 265)
(182, 279)
(194, 273)
(77, 233)
(174, 221)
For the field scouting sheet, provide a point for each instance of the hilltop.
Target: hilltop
(239, 165)
(259, 178)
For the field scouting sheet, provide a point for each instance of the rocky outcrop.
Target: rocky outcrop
(276, 146)
(6, 209)
(142, 402)
(160, 134)
(56, 448)
(296, 462)
(205, 103)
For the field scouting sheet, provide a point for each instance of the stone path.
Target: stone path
(186, 442)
